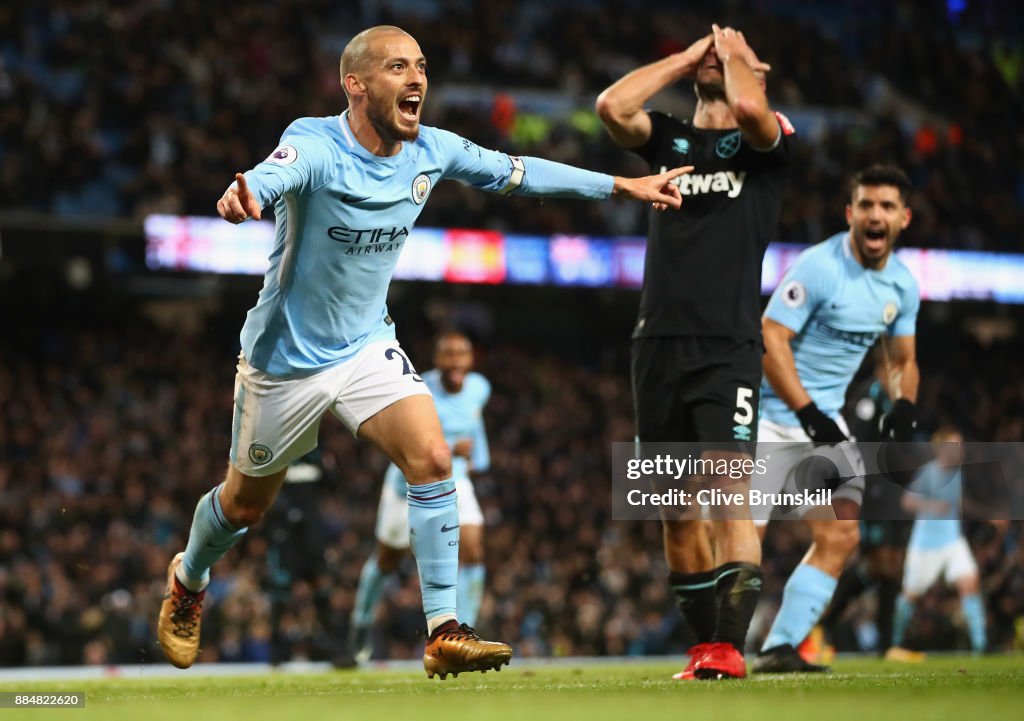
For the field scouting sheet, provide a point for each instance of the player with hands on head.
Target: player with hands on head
(346, 191)
(696, 352)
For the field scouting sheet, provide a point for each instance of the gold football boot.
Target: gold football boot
(178, 627)
(454, 648)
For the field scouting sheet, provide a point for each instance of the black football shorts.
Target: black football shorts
(697, 389)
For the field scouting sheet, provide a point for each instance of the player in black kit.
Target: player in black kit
(697, 343)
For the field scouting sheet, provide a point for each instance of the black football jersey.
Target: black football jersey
(702, 273)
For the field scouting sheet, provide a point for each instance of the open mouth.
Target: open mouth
(409, 107)
(875, 238)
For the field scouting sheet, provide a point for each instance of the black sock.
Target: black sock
(852, 583)
(888, 590)
(738, 587)
(695, 596)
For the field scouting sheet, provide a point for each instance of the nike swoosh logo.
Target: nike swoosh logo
(352, 199)
(446, 528)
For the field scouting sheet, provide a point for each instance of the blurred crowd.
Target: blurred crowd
(123, 108)
(109, 433)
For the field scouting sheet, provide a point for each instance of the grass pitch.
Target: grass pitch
(865, 689)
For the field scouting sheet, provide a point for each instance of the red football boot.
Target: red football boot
(695, 653)
(720, 660)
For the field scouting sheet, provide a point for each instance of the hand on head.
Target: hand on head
(729, 41)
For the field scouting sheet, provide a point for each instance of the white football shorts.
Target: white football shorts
(276, 420)
(784, 450)
(923, 566)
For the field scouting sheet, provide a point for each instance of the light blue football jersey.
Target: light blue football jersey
(935, 530)
(343, 216)
(838, 309)
(461, 417)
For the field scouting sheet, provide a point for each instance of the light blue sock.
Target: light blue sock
(901, 619)
(470, 591)
(434, 539)
(210, 538)
(804, 599)
(974, 613)
(371, 580)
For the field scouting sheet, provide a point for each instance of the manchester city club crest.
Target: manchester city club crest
(420, 188)
(259, 454)
(728, 145)
(681, 146)
(889, 312)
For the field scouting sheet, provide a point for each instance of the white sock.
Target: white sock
(190, 583)
(436, 621)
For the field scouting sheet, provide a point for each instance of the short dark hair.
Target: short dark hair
(447, 333)
(883, 174)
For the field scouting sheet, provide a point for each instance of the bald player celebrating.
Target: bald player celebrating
(346, 191)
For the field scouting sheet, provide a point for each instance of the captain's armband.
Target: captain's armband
(516, 178)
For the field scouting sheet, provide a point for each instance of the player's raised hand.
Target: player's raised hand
(695, 53)
(729, 41)
(238, 202)
(659, 190)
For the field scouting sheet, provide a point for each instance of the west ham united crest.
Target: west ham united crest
(259, 454)
(420, 188)
(728, 145)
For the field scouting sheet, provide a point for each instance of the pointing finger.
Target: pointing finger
(676, 172)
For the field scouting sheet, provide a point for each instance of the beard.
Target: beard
(382, 116)
(709, 92)
(868, 257)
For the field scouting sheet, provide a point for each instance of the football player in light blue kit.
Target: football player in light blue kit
(834, 303)
(346, 191)
(937, 546)
(460, 396)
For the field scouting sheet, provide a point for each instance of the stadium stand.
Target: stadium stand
(112, 423)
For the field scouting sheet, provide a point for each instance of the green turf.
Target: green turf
(864, 690)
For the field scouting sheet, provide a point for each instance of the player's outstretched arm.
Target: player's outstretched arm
(525, 175)
(621, 105)
(744, 89)
(659, 190)
(238, 202)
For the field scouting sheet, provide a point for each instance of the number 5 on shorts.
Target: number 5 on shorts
(744, 411)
